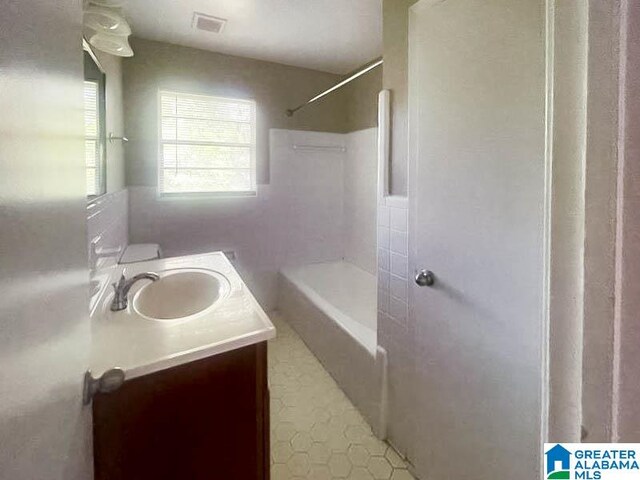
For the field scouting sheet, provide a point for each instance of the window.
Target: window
(92, 143)
(207, 145)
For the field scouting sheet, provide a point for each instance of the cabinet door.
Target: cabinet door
(203, 420)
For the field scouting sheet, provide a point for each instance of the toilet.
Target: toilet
(140, 252)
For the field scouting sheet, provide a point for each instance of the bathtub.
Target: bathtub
(332, 306)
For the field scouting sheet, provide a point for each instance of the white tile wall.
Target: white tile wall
(384, 259)
(399, 264)
(398, 287)
(108, 225)
(392, 258)
(383, 279)
(398, 310)
(383, 216)
(398, 219)
(398, 240)
(360, 172)
(383, 298)
(393, 327)
(383, 237)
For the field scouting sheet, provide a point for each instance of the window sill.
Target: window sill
(204, 195)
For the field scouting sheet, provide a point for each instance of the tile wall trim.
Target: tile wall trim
(393, 268)
(107, 226)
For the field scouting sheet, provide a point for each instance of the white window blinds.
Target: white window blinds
(207, 145)
(92, 138)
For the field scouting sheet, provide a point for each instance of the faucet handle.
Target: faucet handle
(119, 284)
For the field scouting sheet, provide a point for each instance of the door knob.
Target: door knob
(425, 278)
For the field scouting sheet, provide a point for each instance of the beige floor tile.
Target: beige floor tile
(380, 468)
(394, 458)
(280, 471)
(301, 442)
(319, 472)
(401, 475)
(339, 465)
(316, 432)
(281, 452)
(319, 453)
(358, 455)
(360, 473)
(299, 464)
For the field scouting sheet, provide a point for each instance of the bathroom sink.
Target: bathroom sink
(180, 294)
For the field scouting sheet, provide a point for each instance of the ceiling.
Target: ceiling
(330, 35)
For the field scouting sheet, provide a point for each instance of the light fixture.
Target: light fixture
(106, 20)
(117, 45)
(106, 27)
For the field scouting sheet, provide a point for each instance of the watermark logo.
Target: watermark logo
(558, 461)
(592, 461)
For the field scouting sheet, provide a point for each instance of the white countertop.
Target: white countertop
(141, 345)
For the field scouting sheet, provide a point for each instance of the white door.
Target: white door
(477, 203)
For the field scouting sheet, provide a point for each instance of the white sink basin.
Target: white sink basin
(151, 335)
(181, 294)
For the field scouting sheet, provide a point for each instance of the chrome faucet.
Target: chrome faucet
(120, 300)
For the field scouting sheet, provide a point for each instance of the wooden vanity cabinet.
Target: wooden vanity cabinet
(207, 419)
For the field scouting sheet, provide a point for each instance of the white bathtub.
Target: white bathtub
(332, 306)
(343, 292)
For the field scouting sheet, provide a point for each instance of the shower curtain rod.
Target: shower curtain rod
(369, 66)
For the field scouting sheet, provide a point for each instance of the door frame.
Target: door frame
(601, 204)
(625, 418)
(611, 279)
(582, 377)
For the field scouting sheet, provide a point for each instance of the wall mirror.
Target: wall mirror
(95, 136)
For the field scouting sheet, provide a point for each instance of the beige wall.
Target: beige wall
(394, 78)
(275, 88)
(361, 99)
(112, 67)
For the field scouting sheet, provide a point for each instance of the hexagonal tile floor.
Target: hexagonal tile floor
(316, 433)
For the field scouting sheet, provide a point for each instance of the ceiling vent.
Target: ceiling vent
(208, 23)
